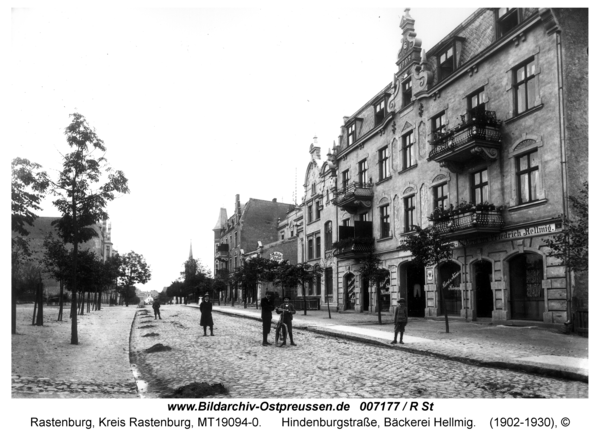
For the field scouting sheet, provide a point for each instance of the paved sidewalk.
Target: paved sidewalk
(527, 348)
(46, 365)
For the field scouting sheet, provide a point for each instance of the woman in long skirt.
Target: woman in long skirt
(206, 315)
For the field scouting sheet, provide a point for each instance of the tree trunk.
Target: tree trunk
(35, 304)
(60, 302)
(40, 296)
(13, 308)
(378, 287)
(442, 300)
(245, 295)
(88, 301)
(74, 338)
(304, 297)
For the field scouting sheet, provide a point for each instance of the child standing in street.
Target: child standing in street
(400, 320)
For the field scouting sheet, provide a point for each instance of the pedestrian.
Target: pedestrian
(156, 307)
(206, 315)
(287, 311)
(266, 315)
(400, 320)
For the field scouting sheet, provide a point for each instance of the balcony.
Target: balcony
(470, 224)
(477, 136)
(354, 242)
(222, 252)
(354, 197)
(354, 248)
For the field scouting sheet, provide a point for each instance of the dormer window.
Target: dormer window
(446, 62)
(379, 112)
(508, 19)
(406, 91)
(351, 134)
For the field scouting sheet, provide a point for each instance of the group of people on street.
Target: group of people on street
(286, 313)
(284, 325)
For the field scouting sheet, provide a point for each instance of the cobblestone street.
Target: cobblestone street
(319, 367)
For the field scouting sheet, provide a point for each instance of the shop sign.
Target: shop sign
(276, 256)
(518, 234)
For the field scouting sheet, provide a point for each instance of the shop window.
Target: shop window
(526, 291)
(408, 142)
(528, 173)
(525, 86)
(507, 19)
(409, 213)
(480, 187)
(384, 165)
(328, 283)
(384, 218)
(379, 112)
(318, 284)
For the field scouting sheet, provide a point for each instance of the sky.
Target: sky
(196, 105)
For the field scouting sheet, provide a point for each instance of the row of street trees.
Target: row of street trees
(82, 190)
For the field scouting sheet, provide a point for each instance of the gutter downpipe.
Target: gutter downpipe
(563, 157)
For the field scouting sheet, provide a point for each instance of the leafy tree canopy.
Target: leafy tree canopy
(571, 245)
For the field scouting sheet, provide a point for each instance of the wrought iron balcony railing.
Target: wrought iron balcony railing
(353, 248)
(470, 224)
(354, 196)
(222, 251)
(478, 135)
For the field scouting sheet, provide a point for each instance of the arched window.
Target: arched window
(328, 236)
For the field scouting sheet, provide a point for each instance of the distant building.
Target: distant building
(101, 245)
(238, 234)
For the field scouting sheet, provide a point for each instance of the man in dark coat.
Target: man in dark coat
(266, 315)
(206, 315)
(287, 309)
(156, 307)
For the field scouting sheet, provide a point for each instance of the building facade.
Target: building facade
(485, 138)
(477, 138)
(252, 225)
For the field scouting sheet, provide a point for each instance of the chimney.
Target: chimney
(238, 208)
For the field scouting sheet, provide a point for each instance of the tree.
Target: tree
(297, 275)
(83, 193)
(133, 270)
(429, 248)
(28, 187)
(571, 244)
(370, 268)
(196, 280)
(57, 264)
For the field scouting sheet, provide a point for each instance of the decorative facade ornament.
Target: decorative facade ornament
(473, 69)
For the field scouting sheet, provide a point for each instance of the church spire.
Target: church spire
(191, 256)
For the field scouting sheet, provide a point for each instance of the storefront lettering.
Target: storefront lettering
(516, 234)
(450, 280)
